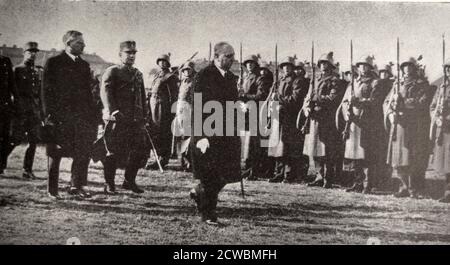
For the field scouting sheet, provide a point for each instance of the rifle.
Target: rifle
(209, 58)
(309, 103)
(346, 132)
(395, 100)
(241, 69)
(272, 89)
(440, 111)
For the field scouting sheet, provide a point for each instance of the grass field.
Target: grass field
(269, 214)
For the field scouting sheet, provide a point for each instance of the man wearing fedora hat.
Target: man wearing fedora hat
(163, 92)
(70, 114)
(254, 89)
(124, 109)
(28, 82)
(362, 108)
(408, 120)
(285, 141)
(9, 106)
(322, 142)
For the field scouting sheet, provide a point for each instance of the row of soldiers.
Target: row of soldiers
(314, 113)
(368, 124)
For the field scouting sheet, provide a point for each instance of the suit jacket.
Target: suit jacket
(222, 158)
(68, 102)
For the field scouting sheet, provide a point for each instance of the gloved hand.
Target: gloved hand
(203, 145)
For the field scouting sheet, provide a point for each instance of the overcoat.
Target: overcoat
(441, 137)
(68, 103)
(222, 159)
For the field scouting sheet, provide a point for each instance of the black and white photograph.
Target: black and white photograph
(200, 123)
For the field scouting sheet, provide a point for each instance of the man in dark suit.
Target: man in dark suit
(8, 107)
(69, 111)
(216, 155)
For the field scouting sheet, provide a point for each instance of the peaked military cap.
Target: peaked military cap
(250, 58)
(287, 60)
(128, 45)
(31, 46)
(163, 57)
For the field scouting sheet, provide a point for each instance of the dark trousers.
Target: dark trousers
(291, 168)
(325, 168)
(79, 172)
(253, 167)
(208, 190)
(131, 168)
(6, 146)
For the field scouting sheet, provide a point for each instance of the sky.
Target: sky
(183, 28)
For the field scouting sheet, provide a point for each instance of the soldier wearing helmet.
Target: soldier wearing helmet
(322, 142)
(361, 109)
(407, 117)
(285, 145)
(163, 92)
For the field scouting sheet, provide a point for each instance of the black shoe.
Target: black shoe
(109, 189)
(154, 165)
(53, 196)
(210, 218)
(316, 183)
(357, 187)
(132, 187)
(402, 193)
(416, 195)
(79, 192)
(276, 179)
(28, 175)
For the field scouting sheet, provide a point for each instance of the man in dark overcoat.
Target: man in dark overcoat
(216, 155)
(69, 113)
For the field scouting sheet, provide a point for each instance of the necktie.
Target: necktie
(77, 59)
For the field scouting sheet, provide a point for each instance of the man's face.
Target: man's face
(299, 72)
(408, 69)
(264, 72)
(76, 46)
(163, 64)
(324, 67)
(363, 68)
(251, 66)
(287, 69)
(186, 72)
(29, 56)
(384, 75)
(127, 57)
(226, 58)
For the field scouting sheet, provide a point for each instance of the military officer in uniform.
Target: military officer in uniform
(322, 140)
(163, 93)
(216, 156)
(360, 118)
(286, 141)
(70, 114)
(123, 96)
(27, 78)
(440, 133)
(254, 89)
(407, 116)
(9, 106)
